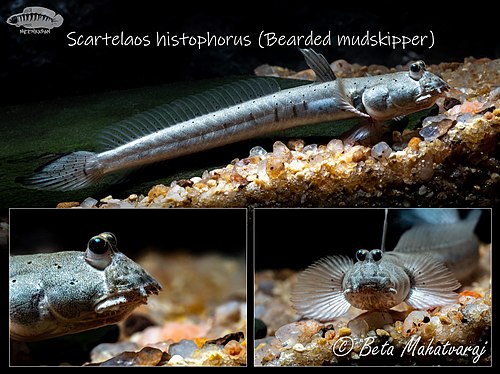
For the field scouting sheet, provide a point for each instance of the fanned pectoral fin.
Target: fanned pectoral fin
(318, 292)
(432, 284)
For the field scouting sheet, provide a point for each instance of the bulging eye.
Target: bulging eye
(98, 245)
(361, 254)
(110, 238)
(99, 250)
(417, 70)
(376, 254)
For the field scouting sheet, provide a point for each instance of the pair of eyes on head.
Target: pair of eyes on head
(362, 254)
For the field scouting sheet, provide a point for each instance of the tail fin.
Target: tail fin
(57, 21)
(420, 216)
(70, 172)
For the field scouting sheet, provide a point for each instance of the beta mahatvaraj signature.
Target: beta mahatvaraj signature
(344, 345)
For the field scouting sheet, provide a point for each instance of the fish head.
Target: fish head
(403, 93)
(12, 20)
(127, 283)
(424, 88)
(371, 283)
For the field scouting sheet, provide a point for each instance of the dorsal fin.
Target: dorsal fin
(187, 108)
(317, 62)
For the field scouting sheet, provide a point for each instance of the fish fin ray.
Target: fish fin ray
(57, 21)
(318, 291)
(70, 172)
(185, 109)
(431, 282)
(318, 63)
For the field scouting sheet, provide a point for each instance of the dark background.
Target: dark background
(295, 238)
(40, 67)
(194, 230)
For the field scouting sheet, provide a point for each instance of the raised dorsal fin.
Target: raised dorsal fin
(317, 62)
(187, 108)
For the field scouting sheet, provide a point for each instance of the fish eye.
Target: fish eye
(376, 254)
(98, 253)
(361, 254)
(98, 245)
(417, 70)
(110, 238)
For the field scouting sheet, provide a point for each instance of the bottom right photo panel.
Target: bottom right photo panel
(372, 287)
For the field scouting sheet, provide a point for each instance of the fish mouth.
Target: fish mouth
(372, 288)
(436, 92)
(444, 87)
(120, 301)
(369, 287)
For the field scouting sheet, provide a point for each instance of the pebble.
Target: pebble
(414, 143)
(344, 331)
(68, 204)
(381, 151)
(227, 313)
(310, 148)
(89, 202)
(434, 127)
(335, 146)
(299, 347)
(184, 348)
(296, 144)
(382, 332)
(105, 351)
(414, 320)
(358, 327)
(297, 332)
(274, 167)
(282, 152)
(177, 360)
(233, 348)
(257, 151)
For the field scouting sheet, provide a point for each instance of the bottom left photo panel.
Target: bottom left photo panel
(128, 287)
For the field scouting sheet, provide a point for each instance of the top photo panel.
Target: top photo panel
(262, 105)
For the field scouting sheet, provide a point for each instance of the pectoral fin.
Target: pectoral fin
(318, 292)
(432, 284)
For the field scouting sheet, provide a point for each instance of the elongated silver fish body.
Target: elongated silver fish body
(423, 270)
(285, 109)
(240, 111)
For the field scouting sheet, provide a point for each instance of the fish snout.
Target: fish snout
(442, 86)
(434, 85)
